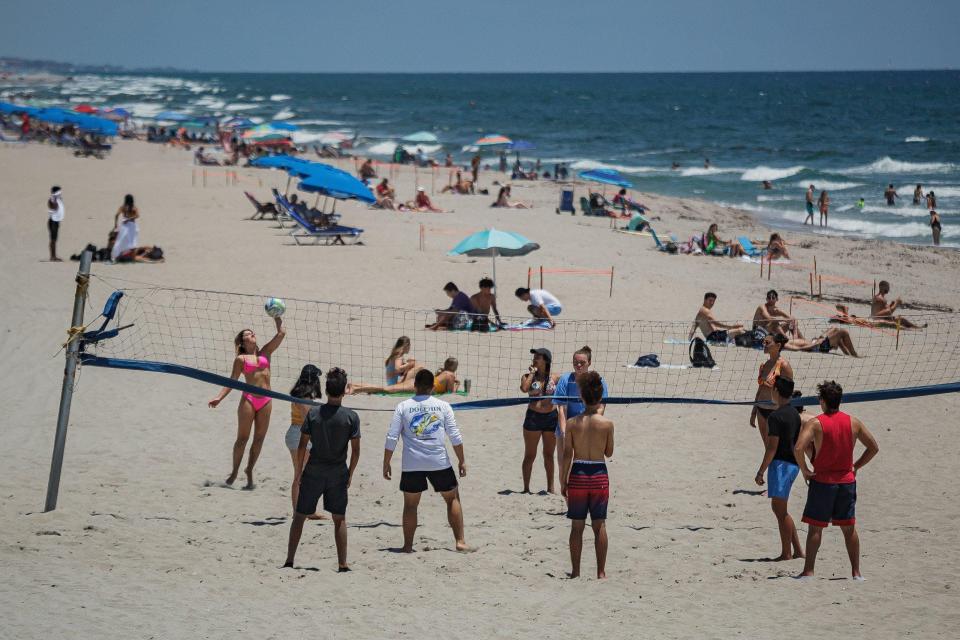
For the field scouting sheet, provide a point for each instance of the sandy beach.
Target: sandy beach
(147, 542)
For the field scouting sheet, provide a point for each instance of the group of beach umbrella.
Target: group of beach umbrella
(85, 122)
(319, 178)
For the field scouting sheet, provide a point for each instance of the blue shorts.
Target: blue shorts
(780, 477)
(810, 208)
(554, 309)
(828, 503)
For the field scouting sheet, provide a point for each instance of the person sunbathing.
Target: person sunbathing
(714, 245)
(772, 319)
(833, 338)
(883, 312)
(203, 159)
(503, 200)
(777, 248)
(447, 318)
(624, 202)
(386, 195)
(461, 186)
(444, 381)
(422, 203)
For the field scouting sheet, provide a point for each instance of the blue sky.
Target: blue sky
(490, 35)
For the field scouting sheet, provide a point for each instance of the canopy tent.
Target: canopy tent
(493, 242)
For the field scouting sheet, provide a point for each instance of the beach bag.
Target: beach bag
(649, 360)
(461, 322)
(156, 254)
(700, 355)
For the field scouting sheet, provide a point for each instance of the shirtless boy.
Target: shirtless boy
(713, 330)
(483, 301)
(583, 478)
(879, 309)
(772, 319)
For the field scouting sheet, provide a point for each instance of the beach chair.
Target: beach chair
(748, 247)
(332, 234)
(263, 209)
(566, 202)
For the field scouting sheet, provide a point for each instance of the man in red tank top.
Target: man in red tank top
(832, 496)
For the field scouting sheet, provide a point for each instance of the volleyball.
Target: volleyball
(275, 307)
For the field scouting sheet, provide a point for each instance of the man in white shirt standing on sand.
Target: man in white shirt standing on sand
(425, 423)
(55, 211)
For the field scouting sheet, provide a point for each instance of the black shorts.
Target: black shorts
(765, 412)
(828, 503)
(416, 481)
(717, 336)
(53, 227)
(535, 421)
(327, 481)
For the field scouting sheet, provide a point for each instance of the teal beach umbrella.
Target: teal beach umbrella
(493, 243)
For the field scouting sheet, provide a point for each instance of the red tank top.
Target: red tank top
(834, 461)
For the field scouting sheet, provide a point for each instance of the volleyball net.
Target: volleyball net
(191, 332)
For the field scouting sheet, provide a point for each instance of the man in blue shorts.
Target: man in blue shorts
(566, 396)
(780, 465)
(425, 424)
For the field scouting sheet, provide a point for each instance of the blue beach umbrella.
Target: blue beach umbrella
(283, 126)
(521, 145)
(493, 242)
(335, 183)
(237, 122)
(606, 176)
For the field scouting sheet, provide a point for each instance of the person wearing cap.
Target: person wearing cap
(422, 202)
(541, 420)
(55, 210)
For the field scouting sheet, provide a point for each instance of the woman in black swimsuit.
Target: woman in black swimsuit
(541, 419)
(935, 227)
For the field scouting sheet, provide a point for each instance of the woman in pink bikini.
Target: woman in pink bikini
(254, 410)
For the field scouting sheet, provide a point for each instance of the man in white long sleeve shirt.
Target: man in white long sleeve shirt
(425, 423)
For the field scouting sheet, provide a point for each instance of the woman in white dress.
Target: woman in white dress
(127, 228)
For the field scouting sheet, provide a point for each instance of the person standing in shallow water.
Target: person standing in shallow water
(824, 205)
(935, 227)
(809, 205)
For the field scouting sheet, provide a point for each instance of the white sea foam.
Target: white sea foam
(777, 198)
(279, 97)
(258, 99)
(691, 172)
(284, 114)
(145, 109)
(916, 139)
(761, 173)
(319, 122)
(588, 165)
(883, 229)
(949, 191)
(829, 186)
(382, 148)
(241, 106)
(889, 166)
(901, 211)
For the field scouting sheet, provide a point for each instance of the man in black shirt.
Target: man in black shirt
(780, 465)
(328, 427)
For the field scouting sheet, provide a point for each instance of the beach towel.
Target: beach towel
(128, 237)
(530, 325)
(757, 259)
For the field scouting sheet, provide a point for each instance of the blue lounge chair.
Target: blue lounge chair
(332, 234)
(748, 247)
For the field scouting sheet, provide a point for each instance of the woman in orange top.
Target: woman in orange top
(775, 365)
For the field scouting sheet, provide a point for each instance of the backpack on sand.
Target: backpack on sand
(700, 354)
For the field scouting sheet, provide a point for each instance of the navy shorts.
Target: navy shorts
(416, 481)
(828, 503)
(718, 336)
(535, 421)
(327, 481)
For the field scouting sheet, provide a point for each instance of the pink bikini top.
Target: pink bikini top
(262, 363)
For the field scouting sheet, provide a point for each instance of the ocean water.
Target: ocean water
(848, 133)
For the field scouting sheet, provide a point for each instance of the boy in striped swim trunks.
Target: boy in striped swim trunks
(583, 477)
